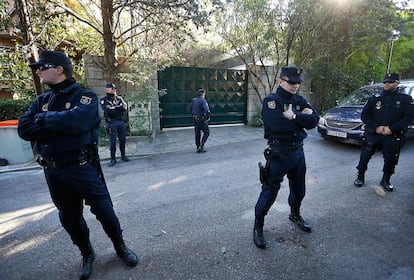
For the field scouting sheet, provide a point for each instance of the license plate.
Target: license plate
(336, 133)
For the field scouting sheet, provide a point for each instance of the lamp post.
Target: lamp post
(394, 37)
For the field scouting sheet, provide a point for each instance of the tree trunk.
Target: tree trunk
(110, 67)
(27, 35)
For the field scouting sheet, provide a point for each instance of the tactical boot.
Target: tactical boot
(359, 181)
(298, 220)
(113, 162)
(124, 158)
(385, 182)
(88, 256)
(126, 254)
(258, 236)
(201, 149)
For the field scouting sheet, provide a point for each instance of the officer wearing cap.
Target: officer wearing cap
(386, 117)
(63, 123)
(114, 108)
(286, 115)
(201, 116)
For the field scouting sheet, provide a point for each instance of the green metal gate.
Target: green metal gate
(226, 95)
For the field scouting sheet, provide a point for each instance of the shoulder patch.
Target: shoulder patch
(45, 107)
(271, 104)
(85, 100)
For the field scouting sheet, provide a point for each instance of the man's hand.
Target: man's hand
(383, 130)
(307, 111)
(289, 113)
(39, 119)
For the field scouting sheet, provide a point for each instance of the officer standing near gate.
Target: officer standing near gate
(386, 117)
(285, 115)
(63, 123)
(114, 108)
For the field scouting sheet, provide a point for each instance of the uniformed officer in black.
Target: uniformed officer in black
(63, 123)
(386, 117)
(114, 108)
(286, 115)
(201, 116)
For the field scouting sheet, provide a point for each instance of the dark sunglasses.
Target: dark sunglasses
(290, 82)
(46, 66)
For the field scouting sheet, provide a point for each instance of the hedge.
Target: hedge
(12, 109)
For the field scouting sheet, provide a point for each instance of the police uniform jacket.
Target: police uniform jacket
(114, 107)
(199, 107)
(62, 121)
(390, 108)
(279, 128)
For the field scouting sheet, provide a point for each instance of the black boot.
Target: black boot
(113, 159)
(126, 254)
(258, 236)
(88, 256)
(201, 149)
(298, 220)
(359, 181)
(385, 182)
(124, 158)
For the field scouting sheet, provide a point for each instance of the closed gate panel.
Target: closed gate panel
(226, 95)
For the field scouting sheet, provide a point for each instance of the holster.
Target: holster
(263, 172)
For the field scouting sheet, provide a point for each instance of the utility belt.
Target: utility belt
(200, 118)
(81, 160)
(286, 146)
(108, 120)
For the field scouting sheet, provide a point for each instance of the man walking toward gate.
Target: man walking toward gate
(201, 116)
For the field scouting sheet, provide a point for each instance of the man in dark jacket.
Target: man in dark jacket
(386, 117)
(63, 123)
(286, 115)
(114, 108)
(201, 116)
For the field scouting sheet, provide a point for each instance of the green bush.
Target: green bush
(12, 109)
(257, 120)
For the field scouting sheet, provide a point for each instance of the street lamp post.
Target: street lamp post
(394, 37)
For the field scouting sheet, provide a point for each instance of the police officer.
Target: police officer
(386, 117)
(286, 115)
(201, 116)
(114, 108)
(63, 123)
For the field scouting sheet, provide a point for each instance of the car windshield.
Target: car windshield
(361, 95)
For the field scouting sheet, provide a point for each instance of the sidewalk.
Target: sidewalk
(166, 141)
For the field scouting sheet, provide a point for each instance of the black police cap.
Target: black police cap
(56, 58)
(110, 85)
(392, 77)
(291, 74)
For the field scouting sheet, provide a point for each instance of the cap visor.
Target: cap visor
(36, 64)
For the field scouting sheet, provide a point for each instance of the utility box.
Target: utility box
(12, 148)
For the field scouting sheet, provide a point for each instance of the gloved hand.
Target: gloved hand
(39, 118)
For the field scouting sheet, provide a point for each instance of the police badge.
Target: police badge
(378, 105)
(271, 105)
(85, 100)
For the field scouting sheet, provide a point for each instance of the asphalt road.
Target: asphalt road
(190, 216)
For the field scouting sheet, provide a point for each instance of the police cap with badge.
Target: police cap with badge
(110, 85)
(291, 74)
(53, 59)
(391, 78)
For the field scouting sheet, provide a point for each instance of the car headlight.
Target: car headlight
(322, 121)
